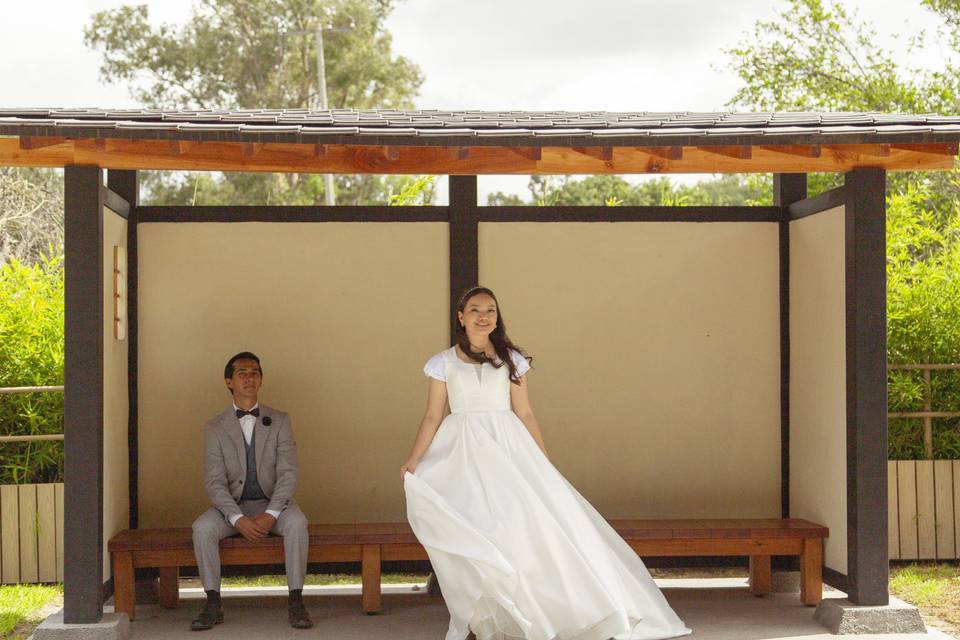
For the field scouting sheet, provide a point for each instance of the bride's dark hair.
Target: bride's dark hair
(501, 341)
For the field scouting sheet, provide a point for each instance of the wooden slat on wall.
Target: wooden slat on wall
(46, 534)
(944, 501)
(58, 496)
(926, 512)
(907, 491)
(956, 505)
(27, 494)
(10, 533)
(31, 533)
(893, 520)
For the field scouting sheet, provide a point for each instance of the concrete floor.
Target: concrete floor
(714, 609)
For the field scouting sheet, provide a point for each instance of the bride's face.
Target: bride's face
(479, 315)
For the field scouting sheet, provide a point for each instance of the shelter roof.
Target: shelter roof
(644, 141)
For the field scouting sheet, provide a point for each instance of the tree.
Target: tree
(818, 56)
(605, 189)
(246, 54)
(31, 214)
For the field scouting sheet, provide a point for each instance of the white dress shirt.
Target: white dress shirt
(247, 423)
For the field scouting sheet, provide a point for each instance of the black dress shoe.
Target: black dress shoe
(298, 615)
(210, 615)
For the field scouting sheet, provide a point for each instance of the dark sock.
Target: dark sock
(213, 597)
(296, 595)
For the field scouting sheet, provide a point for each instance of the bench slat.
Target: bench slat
(401, 533)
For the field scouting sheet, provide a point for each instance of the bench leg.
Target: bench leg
(169, 593)
(811, 571)
(761, 581)
(123, 584)
(371, 578)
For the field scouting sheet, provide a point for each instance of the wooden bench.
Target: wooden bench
(371, 544)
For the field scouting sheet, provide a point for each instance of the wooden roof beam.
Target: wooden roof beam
(877, 150)
(667, 153)
(122, 153)
(802, 150)
(530, 153)
(937, 148)
(459, 153)
(604, 154)
(39, 142)
(250, 149)
(736, 151)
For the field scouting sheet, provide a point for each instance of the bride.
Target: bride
(518, 552)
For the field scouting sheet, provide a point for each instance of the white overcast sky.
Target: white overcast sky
(475, 54)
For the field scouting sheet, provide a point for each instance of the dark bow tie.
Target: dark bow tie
(255, 412)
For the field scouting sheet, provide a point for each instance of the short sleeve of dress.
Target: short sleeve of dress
(435, 368)
(519, 362)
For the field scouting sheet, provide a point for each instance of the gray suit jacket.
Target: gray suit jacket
(225, 460)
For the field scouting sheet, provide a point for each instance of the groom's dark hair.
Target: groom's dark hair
(243, 355)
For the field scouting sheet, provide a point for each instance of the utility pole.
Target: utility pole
(328, 190)
(328, 193)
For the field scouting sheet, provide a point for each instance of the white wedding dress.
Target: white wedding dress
(518, 552)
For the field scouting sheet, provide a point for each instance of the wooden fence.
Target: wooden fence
(924, 512)
(31, 519)
(923, 517)
(31, 533)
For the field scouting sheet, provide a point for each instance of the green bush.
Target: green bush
(31, 354)
(923, 313)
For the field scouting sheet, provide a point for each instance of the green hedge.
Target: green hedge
(923, 314)
(31, 354)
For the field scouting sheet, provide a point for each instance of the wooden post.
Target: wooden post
(370, 567)
(761, 580)
(83, 395)
(126, 184)
(868, 563)
(787, 189)
(464, 224)
(169, 591)
(811, 571)
(124, 598)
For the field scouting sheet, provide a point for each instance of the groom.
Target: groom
(250, 469)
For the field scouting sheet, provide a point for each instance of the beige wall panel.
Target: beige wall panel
(656, 359)
(116, 407)
(818, 418)
(343, 317)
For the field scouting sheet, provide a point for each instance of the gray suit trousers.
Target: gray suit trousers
(211, 527)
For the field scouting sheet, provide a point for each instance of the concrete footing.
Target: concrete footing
(840, 616)
(113, 626)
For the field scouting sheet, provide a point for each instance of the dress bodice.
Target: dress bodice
(475, 387)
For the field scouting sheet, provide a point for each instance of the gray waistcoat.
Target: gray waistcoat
(251, 488)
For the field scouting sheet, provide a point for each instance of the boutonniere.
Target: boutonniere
(267, 421)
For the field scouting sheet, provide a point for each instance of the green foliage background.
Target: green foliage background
(31, 354)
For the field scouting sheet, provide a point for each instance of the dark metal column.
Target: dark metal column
(83, 397)
(126, 185)
(787, 189)
(464, 225)
(866, 295)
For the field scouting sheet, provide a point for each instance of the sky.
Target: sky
(607, 55)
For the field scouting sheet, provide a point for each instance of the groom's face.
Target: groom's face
(246, 380)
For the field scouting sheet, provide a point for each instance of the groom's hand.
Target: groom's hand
(250, 529)
(265, 520)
